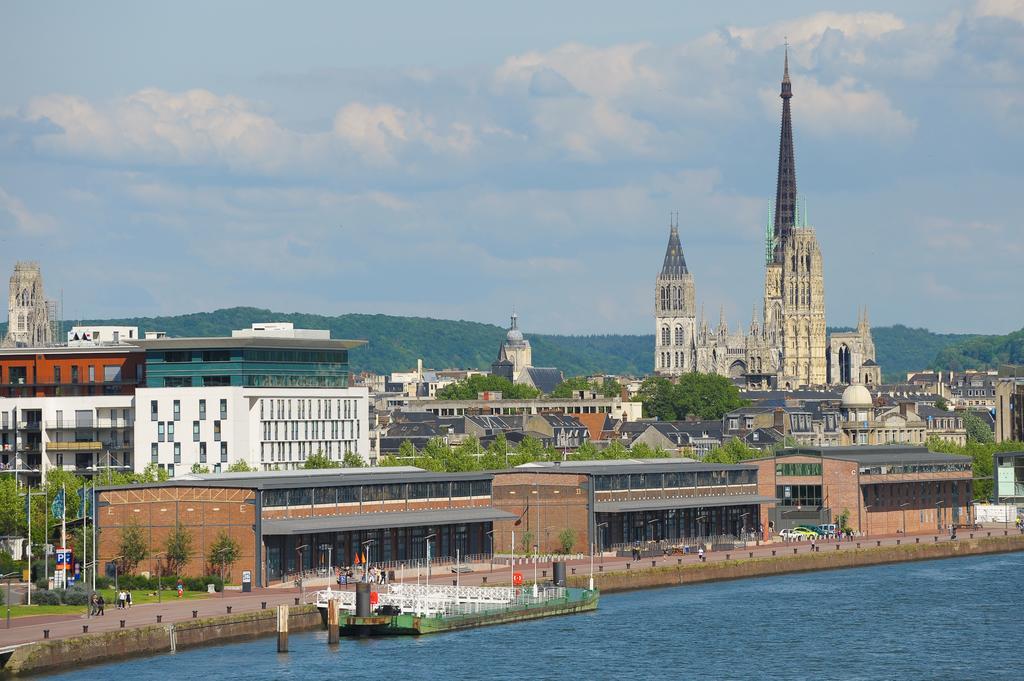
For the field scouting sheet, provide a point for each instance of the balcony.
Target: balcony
(73, 446)
(104, 424)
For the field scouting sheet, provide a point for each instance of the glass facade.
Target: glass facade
(247, 367)
(798, 469)
(359, 494)
(671, 481)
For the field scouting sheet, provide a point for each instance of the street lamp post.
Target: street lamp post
(366, 553)
(490, 538)
(938, 513)
(427, 539)
(700, 526)
(298, 566)
(903, 510)
(649, 524)
(159, 580)
(743, 530)
(592, 544)
(8, 578)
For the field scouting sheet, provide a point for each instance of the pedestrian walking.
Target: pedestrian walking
(121, 600)
(93, 604)
(99, 605)
(128, 598)
(700, 554)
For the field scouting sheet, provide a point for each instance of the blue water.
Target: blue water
(949, 619)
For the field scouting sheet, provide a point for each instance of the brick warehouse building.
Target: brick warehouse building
(620, 502)
(887, 489)
(332, 513)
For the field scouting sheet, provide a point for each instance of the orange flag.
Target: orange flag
(356, 562)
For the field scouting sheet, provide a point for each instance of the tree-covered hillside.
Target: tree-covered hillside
(983, 352)
(395, 343)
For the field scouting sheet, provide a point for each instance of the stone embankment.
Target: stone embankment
(790, 560)
(50, 656)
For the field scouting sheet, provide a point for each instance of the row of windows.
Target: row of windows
(370, 493)
(798, 495)
(798, 469)
(646, 481)
(310, 430)
(154, 452)
(154, 410)
(298, 356)
(307, 408)
(284, 451)
(917, 468)
(179, 356)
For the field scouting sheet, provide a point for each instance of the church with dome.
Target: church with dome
(786, 346)
(515, 362)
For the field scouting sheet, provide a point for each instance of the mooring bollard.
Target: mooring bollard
(263, 605)
(122, 624)
(229, 609)
(296, 600)
(838, 547)
(485, 579)
(897, 542)
(627, 566)
(773, 552)
(795, 550)
(751, 554)
(46, 633)
(573, 571)
(917, 540)
(195, 614)
(971, 535)
(282, 628)
(333, 626)
(858, 545)
(679, 561)
(654, 563)
(879, 542)
(85, 628)
(727, 556)
(159, 619)
(936, 538)
(543, 573)
(990, 534)
(600, 568)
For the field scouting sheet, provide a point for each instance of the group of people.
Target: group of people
(373, 575)
(124, 599)
(96, 604)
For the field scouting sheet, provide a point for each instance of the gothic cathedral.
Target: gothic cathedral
(788, 347)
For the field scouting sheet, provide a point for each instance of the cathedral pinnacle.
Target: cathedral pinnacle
(674, 266)
(785, 188)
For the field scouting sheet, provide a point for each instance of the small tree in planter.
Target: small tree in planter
(567, 539)
(178, 550)
(132, 548)
(224, 552)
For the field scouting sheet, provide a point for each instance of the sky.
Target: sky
(463, 159)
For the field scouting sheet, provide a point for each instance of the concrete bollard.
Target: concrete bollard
(159, 619)
(333, 626)
(85, 628)
(282, 628)
(122, 624)
(229, 609)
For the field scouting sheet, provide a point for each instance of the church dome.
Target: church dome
(856, 396)
(514, 335)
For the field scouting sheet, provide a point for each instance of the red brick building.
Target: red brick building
(71, 371)
(886, 489)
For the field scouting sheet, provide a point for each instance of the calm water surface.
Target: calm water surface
(949, 619)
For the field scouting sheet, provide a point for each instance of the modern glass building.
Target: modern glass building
(1009, 478)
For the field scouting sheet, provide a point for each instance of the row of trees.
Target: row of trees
(313, 461)
(176, 552)
(469, 388)
(609, 387)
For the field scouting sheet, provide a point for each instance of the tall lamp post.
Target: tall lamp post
(427, 539)
(743, 529)
(649, 524)
(298, 566)
(700, 526)
(592, 545)
(490, 538)
(366, 554)
(159, 580)
(938, 512)
(903, 510)
(8, 578)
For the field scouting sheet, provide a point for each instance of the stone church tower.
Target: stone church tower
(794, 280)
(675, 312)
(29, 318)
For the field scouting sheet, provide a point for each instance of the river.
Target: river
(943, 619)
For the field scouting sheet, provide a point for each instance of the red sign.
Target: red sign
(517, 579)
(374, 598)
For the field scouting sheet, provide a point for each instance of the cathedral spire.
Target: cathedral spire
(674, 266)
(785, 189)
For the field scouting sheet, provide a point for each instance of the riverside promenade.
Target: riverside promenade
(628, 573)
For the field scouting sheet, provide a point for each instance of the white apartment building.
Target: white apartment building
(267, 428)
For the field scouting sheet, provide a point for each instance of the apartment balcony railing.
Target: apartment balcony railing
(102, 424)
(74, 446)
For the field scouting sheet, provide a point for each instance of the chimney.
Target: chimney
(419, 369)
(780, 420)
(908, 410)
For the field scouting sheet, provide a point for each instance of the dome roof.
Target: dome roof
(857, 396)
(514, 335)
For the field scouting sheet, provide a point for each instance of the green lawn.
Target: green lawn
(138, 598)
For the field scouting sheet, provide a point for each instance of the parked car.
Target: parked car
(803, 534)
(789, 535)
(813, 529)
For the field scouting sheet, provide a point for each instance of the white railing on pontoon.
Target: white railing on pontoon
(431, 599)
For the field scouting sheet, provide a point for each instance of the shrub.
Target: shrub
(103, 582)
(75, 596)
(199, 583)
(46, 597)
(42, 583)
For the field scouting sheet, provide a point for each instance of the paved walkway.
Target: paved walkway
(26, 629)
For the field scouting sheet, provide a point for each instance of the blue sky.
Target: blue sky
(457, 160)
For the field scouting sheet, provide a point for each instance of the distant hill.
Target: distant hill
(983, 352)
(395, 343)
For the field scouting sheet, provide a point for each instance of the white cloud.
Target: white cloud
(804, 33)
(25, 221)
(1006, 9)
(844, 107)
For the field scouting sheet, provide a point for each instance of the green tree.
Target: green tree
(406, 450)
(708, 396)
(526, 542)
(585, 452)
(224, 552)
(178, 549)
(12, 507)
(132, 547)
(643, 451)
(352, 460)
(733, 451)
(658, 397)
(567, 539)
(199, 469)
(471, 387)
(982, 455)
(240, 466)
(319, 460)
(941, 403)
(977, 429)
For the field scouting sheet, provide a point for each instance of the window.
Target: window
(223, 409)
(154, 453)
(153, 411)
(170, 431)
(178, 382)
(74, 373)
(178, 356)
(111, 373)
(216, 355)
(798, 469)
(160, 431)
(223, 452)
(177, 452)
(195, 431)
(56, 375)
(216, 431)
(202, 410)
(202, 452)
(92, 374)
(216, 380)
(170, 470)
(177, 410)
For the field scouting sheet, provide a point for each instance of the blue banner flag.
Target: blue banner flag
(57, 509)
(83, 502)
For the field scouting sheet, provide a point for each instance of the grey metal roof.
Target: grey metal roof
(867, 455)
(674, 265)
(368, 521)
(331, 477)
(649, 466)
(681, 502)
(545, 379)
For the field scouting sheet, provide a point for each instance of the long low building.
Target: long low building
(284, 519)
